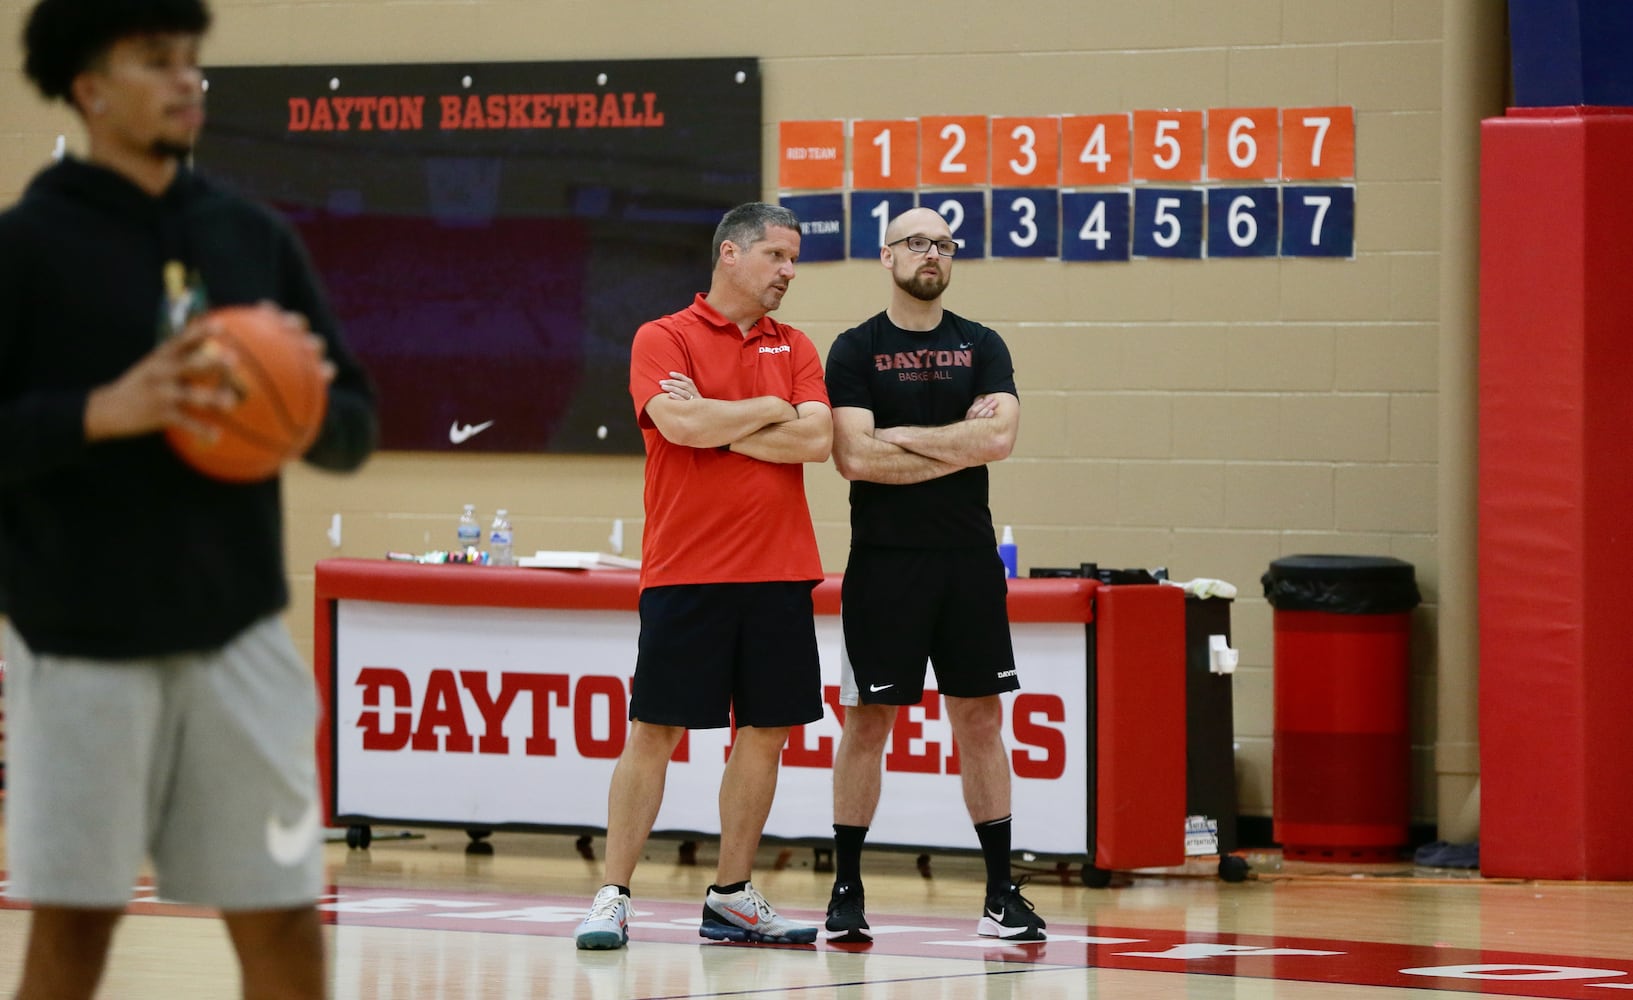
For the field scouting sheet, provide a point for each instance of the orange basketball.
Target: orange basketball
(282, 396)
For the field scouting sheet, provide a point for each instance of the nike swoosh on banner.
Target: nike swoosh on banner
(289, 842)
(459, 435)
(750, 918)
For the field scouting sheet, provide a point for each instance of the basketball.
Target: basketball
(282, 397)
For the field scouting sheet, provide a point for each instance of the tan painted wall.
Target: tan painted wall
(1209, 416)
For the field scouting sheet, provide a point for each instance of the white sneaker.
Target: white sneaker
(607, 925)
(746, 916)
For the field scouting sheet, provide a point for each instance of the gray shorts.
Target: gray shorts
(203, 762)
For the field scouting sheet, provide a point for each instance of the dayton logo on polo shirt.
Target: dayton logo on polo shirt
(784, 349)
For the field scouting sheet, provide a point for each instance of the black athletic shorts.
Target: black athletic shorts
(901, 607)
(712, 651)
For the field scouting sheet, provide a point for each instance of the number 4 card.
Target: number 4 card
(1094, 150)
(1094, 225)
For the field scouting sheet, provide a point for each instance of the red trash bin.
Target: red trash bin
(1342, 748)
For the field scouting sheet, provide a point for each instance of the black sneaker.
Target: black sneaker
(846, 921)
(1010, 916)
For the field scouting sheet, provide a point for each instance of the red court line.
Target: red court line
(1271, 957)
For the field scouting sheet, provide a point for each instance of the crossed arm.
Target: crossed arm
(900, 455)
(768, 428)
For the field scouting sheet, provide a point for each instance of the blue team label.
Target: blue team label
(821, 225)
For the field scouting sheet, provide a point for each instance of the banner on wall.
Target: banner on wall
(492, 234)
(486, 717)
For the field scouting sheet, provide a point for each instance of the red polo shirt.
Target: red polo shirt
(715, 516)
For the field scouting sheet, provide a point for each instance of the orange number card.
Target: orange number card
(1244, 144)
(954, 149)
(1026, 152)
(1094, 149)
(1167, 146)
(1317, 143)
(811, 155)
(884, 154)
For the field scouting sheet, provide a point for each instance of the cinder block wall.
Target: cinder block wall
(1208, 416)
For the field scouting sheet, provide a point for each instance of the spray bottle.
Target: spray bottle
(1006, 552)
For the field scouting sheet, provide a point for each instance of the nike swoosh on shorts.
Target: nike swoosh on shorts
(289, 842)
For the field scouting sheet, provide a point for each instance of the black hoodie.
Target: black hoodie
(117, 549)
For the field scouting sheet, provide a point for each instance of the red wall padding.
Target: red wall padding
(1140, 715)
(1556, 493)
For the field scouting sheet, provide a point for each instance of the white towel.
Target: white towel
(1204, 586)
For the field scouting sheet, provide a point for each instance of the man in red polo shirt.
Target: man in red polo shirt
(731, 404)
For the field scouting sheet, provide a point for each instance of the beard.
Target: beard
(924, 287)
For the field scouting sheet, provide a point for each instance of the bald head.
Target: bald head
(917, 222)
(918, 274)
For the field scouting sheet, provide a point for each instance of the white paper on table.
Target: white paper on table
(563, 559)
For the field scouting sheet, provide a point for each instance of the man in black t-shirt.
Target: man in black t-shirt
(922, 401)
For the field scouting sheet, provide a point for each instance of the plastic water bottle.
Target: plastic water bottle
(499, 539)
(1006, 552)
(470, 530)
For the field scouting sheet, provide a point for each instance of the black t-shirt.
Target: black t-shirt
(920, 379)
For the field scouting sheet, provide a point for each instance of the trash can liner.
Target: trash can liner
(1344, 585)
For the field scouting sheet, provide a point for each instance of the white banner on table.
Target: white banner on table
(486, 716)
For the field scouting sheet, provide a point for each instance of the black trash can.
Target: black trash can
(1342, 749)
(1210, 736)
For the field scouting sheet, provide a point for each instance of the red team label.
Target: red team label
(811, 155)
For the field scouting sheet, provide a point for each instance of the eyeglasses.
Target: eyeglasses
(922, 244)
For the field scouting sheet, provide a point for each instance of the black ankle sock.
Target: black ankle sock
(994, 837)
(623, 889)
(727, 890)
(848, 854)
